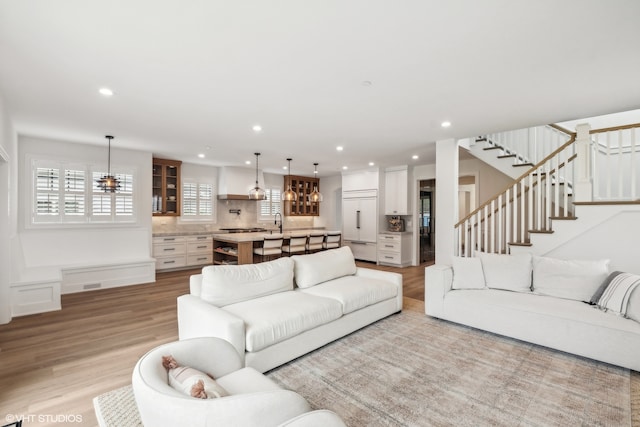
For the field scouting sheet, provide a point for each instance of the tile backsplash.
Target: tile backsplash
(248, 217)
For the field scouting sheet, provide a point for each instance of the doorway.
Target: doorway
(427, 220)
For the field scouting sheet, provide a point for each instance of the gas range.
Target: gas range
(244, 230)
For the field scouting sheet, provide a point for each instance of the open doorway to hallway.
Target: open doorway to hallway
(427, 220)
(426, 212)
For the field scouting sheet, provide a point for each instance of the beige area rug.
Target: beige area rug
(413, 370)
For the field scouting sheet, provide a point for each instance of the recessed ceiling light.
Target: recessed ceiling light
(415, 157)
(284, 167)
(201, 155)
(445, 124)
(345, 167)
(105, 91)
(371, 163)
(248, 162)
(257, 128)
(339, 148)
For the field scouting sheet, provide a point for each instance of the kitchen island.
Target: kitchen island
(237, 248)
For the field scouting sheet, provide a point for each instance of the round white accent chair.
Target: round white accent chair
(254, 400)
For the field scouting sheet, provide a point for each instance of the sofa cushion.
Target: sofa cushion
(274, 318)
(571, 279)
(509, 272)
(229, 284)
(467, 273)
(354, 292)
(309, 270)
(618, 293)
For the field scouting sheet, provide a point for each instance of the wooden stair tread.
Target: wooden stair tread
(568, 218)
(493, 147)
(541, 231)
(528, 164)
(505, 156)
(520, 243)
(481, 139)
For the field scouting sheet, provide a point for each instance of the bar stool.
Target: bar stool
(332, 240)
(315, 241)
(271, 246)
(297, 244)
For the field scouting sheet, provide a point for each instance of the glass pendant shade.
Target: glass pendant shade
(109, 183)
(315, 195)
(289, 195)
(257, 193)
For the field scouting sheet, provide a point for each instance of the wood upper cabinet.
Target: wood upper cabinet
(166, 187)
(302, 186)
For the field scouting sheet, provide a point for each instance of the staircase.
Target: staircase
(568, 188)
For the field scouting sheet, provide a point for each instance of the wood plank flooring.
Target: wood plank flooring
(53, 364)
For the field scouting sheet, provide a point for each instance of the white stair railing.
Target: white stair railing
(615, 157)
(528, 145)
(528, 205)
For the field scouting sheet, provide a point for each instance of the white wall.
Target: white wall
(331, 205)
(69, 244)
(615, 239)
(8, 206)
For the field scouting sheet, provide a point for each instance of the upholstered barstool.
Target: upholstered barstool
(332, 240)
(297, 244)
(271, 247)
(315, 241)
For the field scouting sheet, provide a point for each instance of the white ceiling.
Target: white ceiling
(188, 75)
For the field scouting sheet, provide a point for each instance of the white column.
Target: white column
(583, 187)
(8, 207)
(446, 203)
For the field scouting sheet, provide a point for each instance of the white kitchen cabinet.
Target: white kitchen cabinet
(172, 252)
(394, 249)
(396, 183)
(360, 224)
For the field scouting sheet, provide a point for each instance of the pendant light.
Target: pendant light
(257, 193)
(289, 195)
(315, 195)
(109, 183)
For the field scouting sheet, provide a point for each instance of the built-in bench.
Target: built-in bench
(47, 265)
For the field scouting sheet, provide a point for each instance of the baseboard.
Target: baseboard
(86, 278)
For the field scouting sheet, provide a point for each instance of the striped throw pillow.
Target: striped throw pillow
(616, 296)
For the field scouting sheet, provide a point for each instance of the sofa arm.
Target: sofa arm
(387, 276)
(198, 318)
(437, 282)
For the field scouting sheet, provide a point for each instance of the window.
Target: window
(198, 201)
(271, 205)
(64, 194)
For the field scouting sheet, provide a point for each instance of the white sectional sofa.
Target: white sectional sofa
(538, 300)
(275, 311)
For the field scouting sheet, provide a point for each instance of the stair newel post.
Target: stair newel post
(583, 188)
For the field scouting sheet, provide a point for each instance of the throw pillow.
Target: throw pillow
(467, 273)
(228, 284)
(616, 296)
(570, 279)
(508, 272)
(190, 381)
(310, 270)
(633, 308)
(598, 293)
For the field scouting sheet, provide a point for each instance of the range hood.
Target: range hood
(234, 183)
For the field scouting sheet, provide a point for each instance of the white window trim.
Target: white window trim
(270, 217)
(213, 218)
(87, 219)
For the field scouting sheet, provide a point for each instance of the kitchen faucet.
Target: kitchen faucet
(275, 221)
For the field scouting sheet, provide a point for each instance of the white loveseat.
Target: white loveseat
(541, 304)
(275, 311)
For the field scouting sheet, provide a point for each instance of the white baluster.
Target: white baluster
(500, 225)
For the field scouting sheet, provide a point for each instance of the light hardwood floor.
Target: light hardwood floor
(53, 364)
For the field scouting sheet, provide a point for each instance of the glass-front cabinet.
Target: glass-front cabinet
(166, 187)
